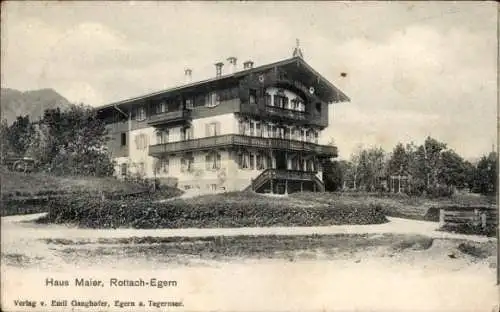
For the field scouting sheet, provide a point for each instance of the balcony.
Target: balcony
(169, 117)
(233, 140)
(284, 113)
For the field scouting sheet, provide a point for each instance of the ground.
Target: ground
(399, 265)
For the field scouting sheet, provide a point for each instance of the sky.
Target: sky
(414, 69)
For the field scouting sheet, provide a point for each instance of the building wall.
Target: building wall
(228, 124)
(139, 161)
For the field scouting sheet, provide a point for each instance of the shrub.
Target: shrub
(211, 211)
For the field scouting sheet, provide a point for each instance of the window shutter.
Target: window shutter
(207, 130)
(217, 128)
(207, 162)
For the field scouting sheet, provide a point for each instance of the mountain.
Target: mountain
(15, 103)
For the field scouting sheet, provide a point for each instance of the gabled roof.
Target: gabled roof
(340, 96)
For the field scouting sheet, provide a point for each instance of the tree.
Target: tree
(20, 134)
(398, 163)
(430, 156)
(5, 147)
(75, 142)
(333, 174)
(485, 179)
(370, 167)
(452, 170)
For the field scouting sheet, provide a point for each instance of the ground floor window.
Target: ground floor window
(163, 165)
(124, 169)
(187, 162)
(213, 161)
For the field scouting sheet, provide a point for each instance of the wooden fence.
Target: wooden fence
(478, 220)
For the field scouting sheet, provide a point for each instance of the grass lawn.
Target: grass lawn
(19, 191)
(398, 205)
(16, 184)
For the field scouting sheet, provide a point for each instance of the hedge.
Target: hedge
(231, 210)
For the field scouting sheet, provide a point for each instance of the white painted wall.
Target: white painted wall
(137, 155)
(228, 125)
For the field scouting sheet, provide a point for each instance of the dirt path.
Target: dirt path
(416, 280)
(20, 227)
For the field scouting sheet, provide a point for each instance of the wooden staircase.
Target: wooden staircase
(276, 175)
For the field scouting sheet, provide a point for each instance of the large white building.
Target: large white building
(254, 127)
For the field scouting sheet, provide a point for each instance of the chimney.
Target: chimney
(232, 64)
(248, 65)
(188, 75)
(218, 69)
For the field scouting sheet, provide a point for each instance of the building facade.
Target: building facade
(255, 128)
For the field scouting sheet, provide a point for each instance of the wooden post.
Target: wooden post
(441, 217)
(272, 187)
(301, 186)
(286, 186)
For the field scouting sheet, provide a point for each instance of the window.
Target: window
(270, 163)
(286, 133)
(140, 114)
(161, 107)
(276, 100)
(213, 129)
(244, 160)
(252, 161)
(163, 165)
(302, 106)
(241, 126)
(162, 136)
(123, 139)
(141, 168)
(268, 100)
(212, 99)
(141, 141)
(318, 107)
(258, 129)
(303, 136)
(124, 169)
(260, 162)
(311, 166)
(189, 103)
(270, 129)
(187, 163)
(212, 161)
(186, 133)
(316, 136)
(252, 98)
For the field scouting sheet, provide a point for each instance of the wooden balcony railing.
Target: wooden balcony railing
(169, 117)
(244, 141)
(276, 174)
(285, 113)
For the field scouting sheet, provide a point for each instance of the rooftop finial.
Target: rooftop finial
(297, 51)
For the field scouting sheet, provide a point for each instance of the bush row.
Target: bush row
(198, 213)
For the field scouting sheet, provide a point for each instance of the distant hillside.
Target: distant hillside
(14, 103)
